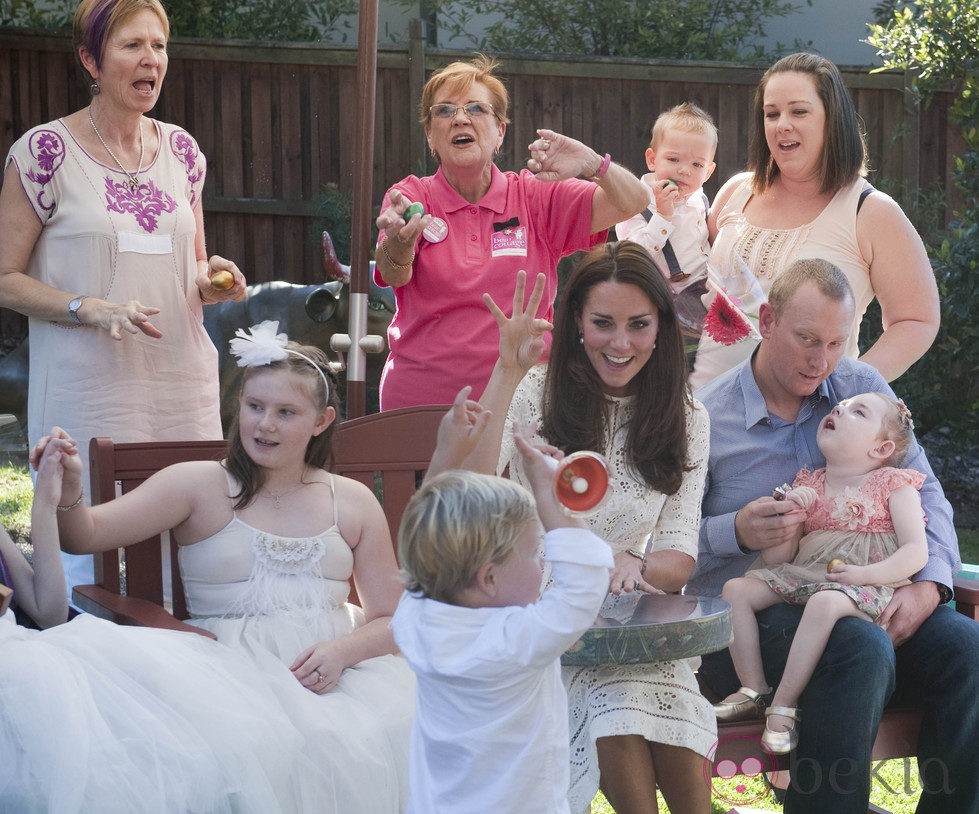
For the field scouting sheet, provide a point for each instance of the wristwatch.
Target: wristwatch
(73, 307)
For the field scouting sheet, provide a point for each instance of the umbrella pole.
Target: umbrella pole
(363, 182)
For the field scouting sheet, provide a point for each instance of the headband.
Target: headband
(263, 345)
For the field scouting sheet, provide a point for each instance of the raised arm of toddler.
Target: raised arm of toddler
(459, 432)
(540, 468)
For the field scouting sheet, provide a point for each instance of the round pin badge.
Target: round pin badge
(436, 231)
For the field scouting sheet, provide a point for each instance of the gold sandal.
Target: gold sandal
(781, 743)
(750, 710)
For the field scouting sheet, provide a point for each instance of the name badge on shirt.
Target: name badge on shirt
(145, 244)
(436, 231)
(509, 242)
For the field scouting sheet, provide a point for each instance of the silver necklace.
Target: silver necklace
(133, 180)
(276, 497)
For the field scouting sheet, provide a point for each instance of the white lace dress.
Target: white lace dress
(660, 701)
(270, 598)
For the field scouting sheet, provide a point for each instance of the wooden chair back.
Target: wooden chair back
(389, 452)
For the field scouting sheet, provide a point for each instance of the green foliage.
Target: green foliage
(269, 20)
(669, 29)
(259, 20)
(969, 545)
(54, 15)
(935, 40)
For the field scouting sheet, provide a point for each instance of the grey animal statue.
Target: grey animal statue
(309, 314)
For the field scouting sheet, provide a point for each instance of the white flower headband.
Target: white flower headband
(263, 345)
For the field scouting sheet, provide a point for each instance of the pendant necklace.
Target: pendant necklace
(276, 497)
(133, 180)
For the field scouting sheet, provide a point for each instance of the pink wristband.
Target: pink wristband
(602, 169)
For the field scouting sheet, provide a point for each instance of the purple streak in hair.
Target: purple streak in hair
(98, 29)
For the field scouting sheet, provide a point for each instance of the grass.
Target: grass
(969, 544)
(894, 786)
(16, 493)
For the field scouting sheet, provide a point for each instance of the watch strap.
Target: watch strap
(639, 555)
(73, 307)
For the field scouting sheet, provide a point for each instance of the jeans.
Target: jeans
(937, 669)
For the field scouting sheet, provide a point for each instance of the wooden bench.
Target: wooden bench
(897, 735)
(389, 452)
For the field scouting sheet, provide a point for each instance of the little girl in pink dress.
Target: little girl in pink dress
(864, 535)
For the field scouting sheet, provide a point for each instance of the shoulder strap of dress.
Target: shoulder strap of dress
(336, 505)
(233, 486)
(739, 198)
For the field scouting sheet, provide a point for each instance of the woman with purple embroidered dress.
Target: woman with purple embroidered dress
(102, 247)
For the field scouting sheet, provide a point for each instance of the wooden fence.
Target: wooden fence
(276, 124)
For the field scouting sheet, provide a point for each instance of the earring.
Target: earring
(581, 339)
(94, 88)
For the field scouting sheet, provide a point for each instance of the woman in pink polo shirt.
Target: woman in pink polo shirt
(480, 226)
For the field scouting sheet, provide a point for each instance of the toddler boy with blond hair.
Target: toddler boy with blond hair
(491, 727)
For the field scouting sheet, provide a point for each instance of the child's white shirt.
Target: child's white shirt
(491, 727)
(686, 231)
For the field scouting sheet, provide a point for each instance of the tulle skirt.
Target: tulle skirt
(95, 717)
(360, 728)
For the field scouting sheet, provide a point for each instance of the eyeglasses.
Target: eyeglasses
(473, 110)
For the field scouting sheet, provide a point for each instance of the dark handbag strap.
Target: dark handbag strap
(863, 196)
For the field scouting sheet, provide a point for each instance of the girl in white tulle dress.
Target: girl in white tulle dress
(268, 540)
(864, 537)
(98, 717)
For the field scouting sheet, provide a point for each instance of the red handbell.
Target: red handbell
(581, 482)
